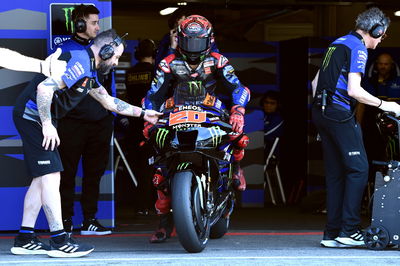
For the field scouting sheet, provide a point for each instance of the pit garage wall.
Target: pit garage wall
(25, 26)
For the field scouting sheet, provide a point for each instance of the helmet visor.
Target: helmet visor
(193, 44)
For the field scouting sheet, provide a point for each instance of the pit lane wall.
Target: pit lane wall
(32, 28)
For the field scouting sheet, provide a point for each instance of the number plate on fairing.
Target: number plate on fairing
(187, 116)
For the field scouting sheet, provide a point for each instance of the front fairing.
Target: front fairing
(190, 128)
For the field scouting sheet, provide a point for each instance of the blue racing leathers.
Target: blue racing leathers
(173, 71)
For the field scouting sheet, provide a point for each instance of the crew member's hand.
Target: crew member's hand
(236, 118)
(50, 136)
(173, 37)
(53, 67)
(152, 116)
(390, 107)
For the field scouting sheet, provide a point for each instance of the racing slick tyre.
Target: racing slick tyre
(190, 218)
(220, 228)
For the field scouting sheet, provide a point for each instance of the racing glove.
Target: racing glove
(390, 107)
(236, 118)
(146, 129)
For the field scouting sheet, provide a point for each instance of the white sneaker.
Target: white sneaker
(354, 240)
(331, 244)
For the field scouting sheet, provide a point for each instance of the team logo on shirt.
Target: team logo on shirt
(72, 74)
(362, 55)
(327, 57)
(77, 69)
(361, 59)
(47, 162)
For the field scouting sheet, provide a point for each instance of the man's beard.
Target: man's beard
(104, 68)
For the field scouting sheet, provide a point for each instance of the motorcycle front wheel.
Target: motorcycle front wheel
(190, 219)
(220, 228)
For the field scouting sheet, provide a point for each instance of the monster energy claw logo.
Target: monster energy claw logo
(161, 136)
(182, 166)
(216, 135)
(328, 56)
(195, 87)
(68, 17)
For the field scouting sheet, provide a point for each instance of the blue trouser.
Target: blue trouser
(346, 167)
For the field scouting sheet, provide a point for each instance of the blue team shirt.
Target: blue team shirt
(345, 55)
(79, 77)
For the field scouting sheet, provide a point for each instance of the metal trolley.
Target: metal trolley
(384, 230)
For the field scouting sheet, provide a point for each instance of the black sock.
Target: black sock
(58, 236)
(26, 233)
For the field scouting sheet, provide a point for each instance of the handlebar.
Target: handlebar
(390, 164)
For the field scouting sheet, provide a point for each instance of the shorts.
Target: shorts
(38, 161)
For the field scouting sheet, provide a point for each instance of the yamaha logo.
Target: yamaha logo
(57, 40)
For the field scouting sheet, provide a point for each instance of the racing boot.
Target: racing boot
(239, 182)
(165, 229)
(163, 208)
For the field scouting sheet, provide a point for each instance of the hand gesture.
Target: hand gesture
(53, 67)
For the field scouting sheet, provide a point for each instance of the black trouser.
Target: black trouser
(91, 141)
(346, 168)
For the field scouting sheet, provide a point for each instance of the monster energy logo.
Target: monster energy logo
(161, 136)
(68, 17)
(195, 87)
(216, 135)
(327, 58)
(182, 166)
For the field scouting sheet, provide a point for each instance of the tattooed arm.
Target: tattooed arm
(101, 95)
(44, 97)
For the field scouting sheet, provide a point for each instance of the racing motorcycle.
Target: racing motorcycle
(193, 142)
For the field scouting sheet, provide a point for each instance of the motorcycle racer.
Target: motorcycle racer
(193, 63)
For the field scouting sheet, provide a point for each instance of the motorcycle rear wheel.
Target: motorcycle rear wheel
(190, 219)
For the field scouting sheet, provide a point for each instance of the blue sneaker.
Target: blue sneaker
(68, 249)
(32, 246)
(355, 239)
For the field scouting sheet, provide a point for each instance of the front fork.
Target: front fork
(205, 193)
